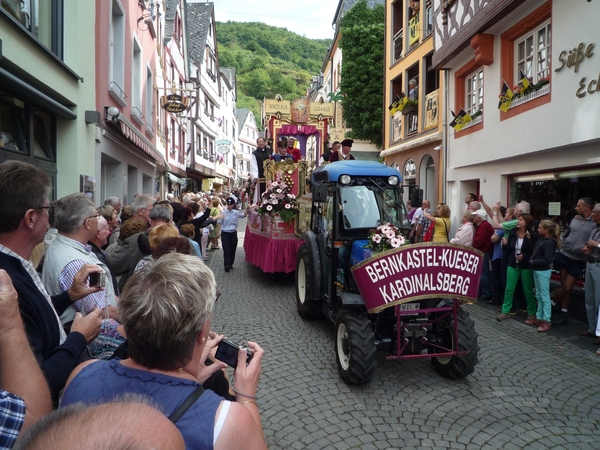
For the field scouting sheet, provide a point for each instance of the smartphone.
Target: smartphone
(97, 279)
(227, 351)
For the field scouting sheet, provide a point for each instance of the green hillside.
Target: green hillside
(269, 61)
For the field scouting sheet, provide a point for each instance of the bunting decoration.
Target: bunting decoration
(460, 120)
(506, 96)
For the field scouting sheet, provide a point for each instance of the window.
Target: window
(117, 54)
(149, 98)
(532, 53)
(474, 92)
(526, 46)
(136, 83)
(398, 29)
(42, 18)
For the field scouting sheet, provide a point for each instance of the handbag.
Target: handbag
(428, 236)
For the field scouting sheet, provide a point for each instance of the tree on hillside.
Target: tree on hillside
(362, 37)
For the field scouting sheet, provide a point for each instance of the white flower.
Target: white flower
(274, 201)
(292, 195)
(402, 240)
(269, 208)
(278, 191)
(390, 234)
(384, 229)
(288, 206)
(395, 242)
(376, 238)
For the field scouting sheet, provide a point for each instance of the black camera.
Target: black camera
(227, 351)
(97, 279)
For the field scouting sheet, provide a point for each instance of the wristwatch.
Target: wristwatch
(495, 213)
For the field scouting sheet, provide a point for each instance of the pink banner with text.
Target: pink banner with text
(417, 271)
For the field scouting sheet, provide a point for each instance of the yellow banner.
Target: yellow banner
(273, 106)
(415, 32)
(325, 109)
(431, 110)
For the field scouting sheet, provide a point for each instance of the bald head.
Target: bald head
(118, 425)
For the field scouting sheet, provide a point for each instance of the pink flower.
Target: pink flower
(376, 238)
(395, 242)
(288, 206)
(269, 208)
(384, 229)
(390, 234)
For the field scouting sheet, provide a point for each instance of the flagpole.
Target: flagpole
(445, 133)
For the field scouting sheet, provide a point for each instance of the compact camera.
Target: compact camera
(227, 351)
(97, 279)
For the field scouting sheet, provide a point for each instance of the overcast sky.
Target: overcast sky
(311, 18)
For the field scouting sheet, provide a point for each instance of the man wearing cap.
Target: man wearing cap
(227, 230)
(292, 150)
(483, 242)
(344, 153)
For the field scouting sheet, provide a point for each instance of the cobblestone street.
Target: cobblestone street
(530, 390)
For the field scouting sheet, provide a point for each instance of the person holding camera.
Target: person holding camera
(168, 347)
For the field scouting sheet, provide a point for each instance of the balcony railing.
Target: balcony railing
(398, 37)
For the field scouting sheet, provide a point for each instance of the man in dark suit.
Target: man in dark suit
(344, 153)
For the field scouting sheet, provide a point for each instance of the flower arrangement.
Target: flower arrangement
(520, 91)
(385, 237)
(278, 198)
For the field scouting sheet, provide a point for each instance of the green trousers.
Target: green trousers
(512, 276)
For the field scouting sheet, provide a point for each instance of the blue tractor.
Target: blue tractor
(351, 198)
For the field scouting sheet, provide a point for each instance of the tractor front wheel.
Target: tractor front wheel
(458, 366)
(355, 347)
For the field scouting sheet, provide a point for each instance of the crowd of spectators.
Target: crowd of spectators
(84, 289)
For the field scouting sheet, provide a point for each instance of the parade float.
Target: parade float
(273, 230)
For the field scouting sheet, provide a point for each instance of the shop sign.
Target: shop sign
(274, 106)
(573, 58)
(418, 271)
(321, 109)
(174, 103)
(223, 146)
(431, 110)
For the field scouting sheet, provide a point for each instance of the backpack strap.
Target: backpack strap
(187, 403)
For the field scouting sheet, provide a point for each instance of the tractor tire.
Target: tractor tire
(307, 307)
(458, 366)
(354, 347)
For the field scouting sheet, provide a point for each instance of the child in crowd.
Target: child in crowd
(541, 263)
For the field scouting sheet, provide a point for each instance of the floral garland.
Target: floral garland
(278, 198)
(385, 237)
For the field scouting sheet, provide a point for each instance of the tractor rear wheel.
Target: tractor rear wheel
(307, 307)
(355, 347)
(458, 366)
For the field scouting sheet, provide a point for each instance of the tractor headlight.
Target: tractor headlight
(393, 180)
(345, 179)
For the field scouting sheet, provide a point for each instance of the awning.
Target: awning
(21, 89)
(175, 179)
(135, 136)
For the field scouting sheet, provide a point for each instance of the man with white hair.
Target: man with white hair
(97, 242)
(76, 219)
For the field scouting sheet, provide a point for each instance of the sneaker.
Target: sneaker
(545, 326)
(561, 319)
(502, 316)
(533, 321)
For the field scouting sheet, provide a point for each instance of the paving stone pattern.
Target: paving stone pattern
(530, 390)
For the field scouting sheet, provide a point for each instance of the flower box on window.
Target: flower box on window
(545, 89)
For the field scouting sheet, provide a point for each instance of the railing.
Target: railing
(398, 38)
(527, 98)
